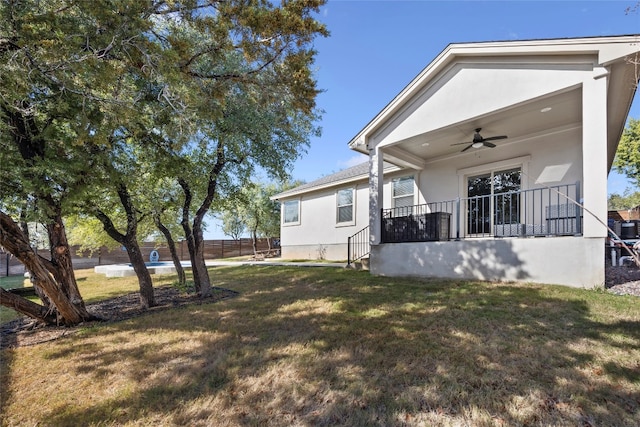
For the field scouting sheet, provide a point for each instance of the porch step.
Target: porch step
(361, 264)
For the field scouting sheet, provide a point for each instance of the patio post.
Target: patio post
(594, 151)
(376, 183)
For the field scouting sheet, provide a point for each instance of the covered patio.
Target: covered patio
(502, 145)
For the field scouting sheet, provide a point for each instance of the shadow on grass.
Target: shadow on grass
(337, 347)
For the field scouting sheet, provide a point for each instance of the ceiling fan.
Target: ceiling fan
(479, 141)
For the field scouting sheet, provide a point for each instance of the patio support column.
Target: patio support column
(376, 184)
(594, 151)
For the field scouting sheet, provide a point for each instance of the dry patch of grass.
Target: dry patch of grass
(327, 346)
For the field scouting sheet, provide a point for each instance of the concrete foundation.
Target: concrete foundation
(571, 261)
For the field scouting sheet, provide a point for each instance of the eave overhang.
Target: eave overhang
(611, 56)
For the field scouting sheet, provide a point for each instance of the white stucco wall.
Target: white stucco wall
(571, 261)
(472, 89)
(318, 235)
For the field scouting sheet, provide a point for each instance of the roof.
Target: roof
(352, 174)
(607, 56)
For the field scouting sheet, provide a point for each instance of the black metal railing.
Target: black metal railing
(358, 246)
(548, 211)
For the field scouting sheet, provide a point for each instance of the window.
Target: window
(402, 195)
(291, 212)
(344, 201)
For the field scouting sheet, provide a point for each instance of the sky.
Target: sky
(376, 47)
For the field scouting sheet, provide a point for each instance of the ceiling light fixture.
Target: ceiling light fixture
(425, 144)
(477, 145)
(545, 110)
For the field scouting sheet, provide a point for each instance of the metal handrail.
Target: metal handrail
(358, 246)
(548, 211)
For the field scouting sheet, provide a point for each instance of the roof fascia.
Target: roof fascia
(363, 177)
(456, 51)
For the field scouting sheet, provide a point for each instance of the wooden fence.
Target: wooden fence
(213, 249)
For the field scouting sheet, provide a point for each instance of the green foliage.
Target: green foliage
(627, 160)
(187, 287)
(253, 210)
(232, 224)
(105, 106)
(626, 201)
(87, 232)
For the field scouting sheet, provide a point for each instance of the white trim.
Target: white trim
(604, 49)
(291, 223)
(522, 162)
(464, 173)
(501, 164)
(355, 180)
(352, 222)
(414, 192)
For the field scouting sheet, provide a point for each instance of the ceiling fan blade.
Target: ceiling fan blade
(466, 148)
(461, 143)
(488, 144)
(493, 138)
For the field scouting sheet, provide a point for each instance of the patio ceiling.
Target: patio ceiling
(520, 123)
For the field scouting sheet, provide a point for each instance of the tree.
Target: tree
(627, 160)
(61, 75)
(87, 233)
(258, 212)
(254, 210)
(44, 271)
(256, 112)
(232, 224)
(626, 201)
(82, 79)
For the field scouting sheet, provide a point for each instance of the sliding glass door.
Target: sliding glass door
(491, 200)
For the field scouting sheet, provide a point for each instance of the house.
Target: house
(632, 214)
(491, 164)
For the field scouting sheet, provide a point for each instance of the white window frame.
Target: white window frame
(352, 221)
(412, 195)
(490, 168)
(284, 208)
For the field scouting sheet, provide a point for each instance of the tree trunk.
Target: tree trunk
(200, 266)
(195, 244)
(40, 292)
(188, 233)
(254, 241)
(194, 235)
(130, 242)
(14, 241)
(24, 226)
(147, 298)
(191, 246)
(61, 260)
(26, 307)
(182, 279)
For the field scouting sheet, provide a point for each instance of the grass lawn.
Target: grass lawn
(329, 346)
(12, 282)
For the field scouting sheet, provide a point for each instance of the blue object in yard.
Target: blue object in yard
(154, 256)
